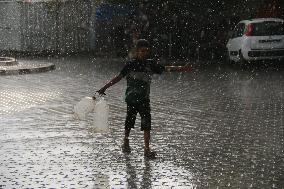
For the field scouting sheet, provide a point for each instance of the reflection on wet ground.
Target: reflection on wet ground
(217, 127)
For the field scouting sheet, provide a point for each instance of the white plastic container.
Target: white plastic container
(83, 107)
(101, 113)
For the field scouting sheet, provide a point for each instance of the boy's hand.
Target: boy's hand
(187, 68)
(101, 91)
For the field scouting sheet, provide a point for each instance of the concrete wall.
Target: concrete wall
(54, 26)
(10, 26)
(61, 27)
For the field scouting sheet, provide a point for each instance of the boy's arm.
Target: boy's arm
(110, 83)
(185, 68)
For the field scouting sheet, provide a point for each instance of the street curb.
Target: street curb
(7, 61)
(25, 70)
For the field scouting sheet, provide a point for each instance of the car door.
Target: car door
(235, 42)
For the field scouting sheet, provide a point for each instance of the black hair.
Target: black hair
(142, 43)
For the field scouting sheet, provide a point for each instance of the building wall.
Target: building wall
(68, 26)
(53, 26)
(10, 26)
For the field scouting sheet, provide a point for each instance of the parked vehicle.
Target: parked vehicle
(257, 39)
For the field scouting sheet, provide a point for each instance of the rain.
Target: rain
(212, 80)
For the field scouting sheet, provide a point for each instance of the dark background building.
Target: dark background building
(178, 29)
(181, 29)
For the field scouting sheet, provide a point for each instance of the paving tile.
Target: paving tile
(212, 128)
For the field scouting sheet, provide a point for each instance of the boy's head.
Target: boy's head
(143, 49)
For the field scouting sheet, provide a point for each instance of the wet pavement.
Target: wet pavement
(217, 127)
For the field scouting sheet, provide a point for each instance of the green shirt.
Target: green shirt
(139, 76)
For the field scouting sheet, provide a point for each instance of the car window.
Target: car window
(239, 30)
(268, 28)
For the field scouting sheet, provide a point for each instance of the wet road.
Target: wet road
(217, 127)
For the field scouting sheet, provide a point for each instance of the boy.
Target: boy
(138, 73)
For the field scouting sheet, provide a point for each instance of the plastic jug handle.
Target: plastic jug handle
(98, 95)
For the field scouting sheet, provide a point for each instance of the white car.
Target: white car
(257, 39)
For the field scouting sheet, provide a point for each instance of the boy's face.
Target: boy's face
(143, 53)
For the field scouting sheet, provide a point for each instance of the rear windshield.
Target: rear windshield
(268, 28)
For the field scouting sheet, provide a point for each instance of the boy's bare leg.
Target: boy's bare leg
(125, 145)
(126, 133)
(147, 152)
(147, 139)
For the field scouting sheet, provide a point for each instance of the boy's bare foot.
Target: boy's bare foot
(125, 146)
(149, 154)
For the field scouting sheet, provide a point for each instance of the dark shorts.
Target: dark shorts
(145, 112)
